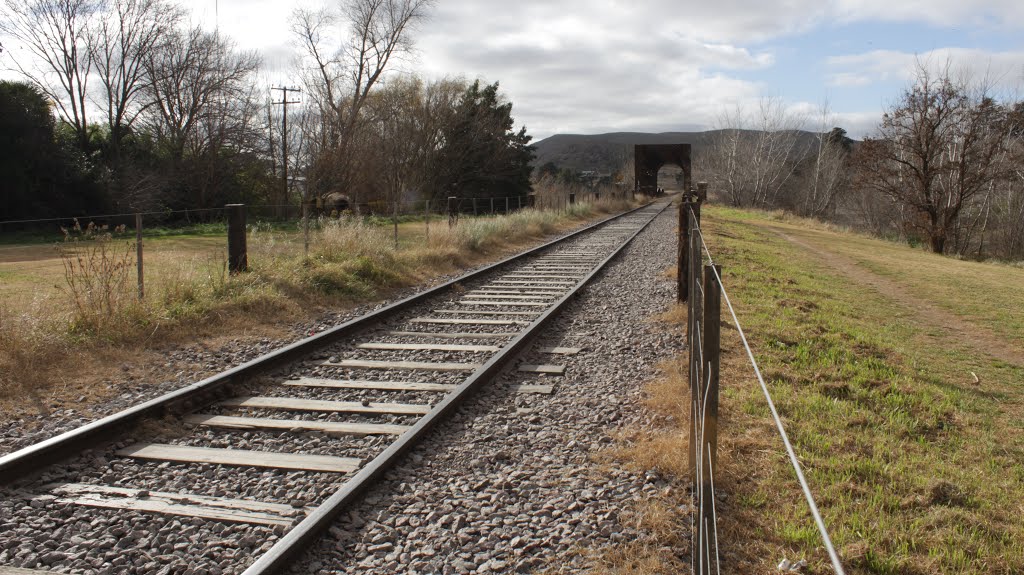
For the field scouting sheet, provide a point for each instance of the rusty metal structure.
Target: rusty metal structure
(649, 158)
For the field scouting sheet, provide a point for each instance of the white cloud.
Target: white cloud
(585, 66)
(1003, 68)
(995, 13)
(847, 79)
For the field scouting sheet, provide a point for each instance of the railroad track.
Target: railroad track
(275, 449)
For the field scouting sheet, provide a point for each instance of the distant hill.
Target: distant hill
(605, 153)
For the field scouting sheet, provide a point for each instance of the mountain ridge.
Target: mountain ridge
(606, 153)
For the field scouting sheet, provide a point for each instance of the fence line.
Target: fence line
(237, 223)
(120, 215)
(704, 311)
(487, 205)
(701, 289)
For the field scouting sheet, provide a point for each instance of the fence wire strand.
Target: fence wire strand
(823, 531)
(714, 511)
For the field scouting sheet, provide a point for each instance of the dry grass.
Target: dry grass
(30, 346)
(59, 341)
(664, 521)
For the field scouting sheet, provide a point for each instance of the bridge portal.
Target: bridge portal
(649, 158)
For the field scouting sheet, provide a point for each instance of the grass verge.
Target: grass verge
(50, 338)
(917, 465)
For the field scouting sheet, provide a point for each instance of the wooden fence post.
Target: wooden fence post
(474, 206)
(506, 205)
(394, 220)
(682, 267)
(138, 254)
(237, 257)
(452, 217)
(712, 353)
(707, 402)
(693, 335)
(702, 192)
(305, 226)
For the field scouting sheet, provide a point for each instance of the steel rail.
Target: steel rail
(25, 461)
(284, 551)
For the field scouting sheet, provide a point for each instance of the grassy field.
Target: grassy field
(35, 267)
(909, 430)
(69, 312)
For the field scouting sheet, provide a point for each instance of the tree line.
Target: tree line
(942, 169)
(126, 106)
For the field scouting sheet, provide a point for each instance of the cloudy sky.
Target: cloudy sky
(591, 66)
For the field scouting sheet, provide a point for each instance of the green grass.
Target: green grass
(916, 469)
(988, 293)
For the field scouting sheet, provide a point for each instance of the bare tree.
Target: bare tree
(229, 128)
(751, 159)
(829, 171)
(56, 34)
(722, 158)
(339, 79)
(776, 153)
(201, 100)
(125, 37)
(1003, 223)
(192, 75)
(936, 149)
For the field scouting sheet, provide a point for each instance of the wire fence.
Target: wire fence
(293, 212)
(171, 244)
(701, 291)
(700, 285)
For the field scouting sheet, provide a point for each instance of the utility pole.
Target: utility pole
(284, 135)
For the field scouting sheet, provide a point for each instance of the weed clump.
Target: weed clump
(97, 274)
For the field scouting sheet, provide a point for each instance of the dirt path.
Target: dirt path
(976, 337)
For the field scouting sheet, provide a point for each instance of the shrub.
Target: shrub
(97, 274)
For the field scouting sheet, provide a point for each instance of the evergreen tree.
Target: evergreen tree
(41, 176)
(483, 156)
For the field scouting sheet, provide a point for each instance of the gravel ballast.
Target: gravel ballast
(506, 484)
(509, 484)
